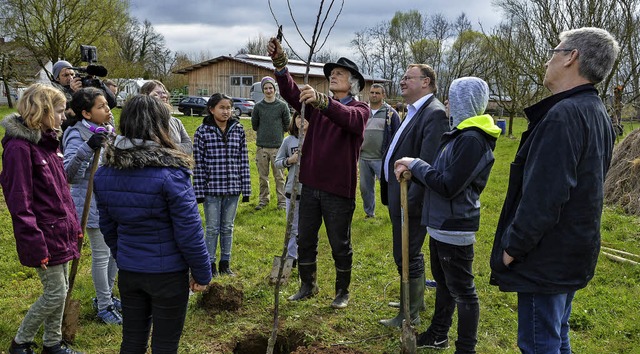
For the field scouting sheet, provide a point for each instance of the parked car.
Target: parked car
(193, 105)
(242, 106)
(121, 98)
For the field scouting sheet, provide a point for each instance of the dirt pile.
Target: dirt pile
(622, 186)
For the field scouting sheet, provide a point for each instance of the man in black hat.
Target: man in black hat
(328, 167)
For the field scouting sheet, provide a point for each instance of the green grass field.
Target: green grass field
(604, 320)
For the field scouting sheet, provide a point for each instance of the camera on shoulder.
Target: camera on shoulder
(90, 73)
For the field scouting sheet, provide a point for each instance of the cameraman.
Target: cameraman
(65, 79)
(68, 83)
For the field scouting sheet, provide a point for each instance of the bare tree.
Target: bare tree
(55, 29)
(544, 20)
(517, 68)
(256, 46)
(315, 45)
(405, 28)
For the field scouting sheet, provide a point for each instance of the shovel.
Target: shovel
(72, 307)
(408, 338)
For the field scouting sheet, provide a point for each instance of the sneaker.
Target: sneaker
(428, 340)
(117, 303)
(60, 348)
(369, 216)
(24, 348)
(429, 283)
(110, 315)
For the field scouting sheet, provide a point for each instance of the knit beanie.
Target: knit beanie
(267, 80)
(468, 97)
(58, 66)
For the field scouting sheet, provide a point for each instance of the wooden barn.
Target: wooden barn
(234, 76)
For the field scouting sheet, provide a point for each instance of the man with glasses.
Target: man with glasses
(418, 136)
(548, 237)
(383, 122)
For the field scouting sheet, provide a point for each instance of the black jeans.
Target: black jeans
(160, 299)
(417, 234)
(451, 267)
(337, 213)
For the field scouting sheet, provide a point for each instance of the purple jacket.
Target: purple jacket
(35, 189)
(332, 142)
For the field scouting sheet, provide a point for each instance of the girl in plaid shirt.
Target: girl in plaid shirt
(221, 174)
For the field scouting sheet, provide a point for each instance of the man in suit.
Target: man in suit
(418, 136)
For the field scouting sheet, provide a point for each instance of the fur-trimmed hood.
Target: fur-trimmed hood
(126, 154)
(15, 128)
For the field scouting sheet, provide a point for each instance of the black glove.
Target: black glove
(97, 140)
(245, 198)
(200, 200)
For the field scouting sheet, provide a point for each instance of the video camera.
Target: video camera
(89, 54)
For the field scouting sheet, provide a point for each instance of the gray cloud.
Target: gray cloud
(221, 28)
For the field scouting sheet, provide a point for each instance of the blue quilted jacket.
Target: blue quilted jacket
(148, 210)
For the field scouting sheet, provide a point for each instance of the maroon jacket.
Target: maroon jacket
(35, 189)
(332, 142)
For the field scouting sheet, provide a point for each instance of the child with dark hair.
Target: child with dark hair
(45, 225)
(288, 157)
(221, 175)
(151, 223)
(79, 143)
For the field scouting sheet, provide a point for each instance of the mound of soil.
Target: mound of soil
(219, 297)
(622, 186)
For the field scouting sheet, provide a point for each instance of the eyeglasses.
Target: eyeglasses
(553, 51)
(407, 78)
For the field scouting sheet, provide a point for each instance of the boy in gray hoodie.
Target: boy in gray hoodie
(451, 210)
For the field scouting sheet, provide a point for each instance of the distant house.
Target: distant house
(25, 71)
(131, 86)
(235, 76)
(128, 88)
(496, 104)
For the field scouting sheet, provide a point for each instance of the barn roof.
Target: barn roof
(296, 67)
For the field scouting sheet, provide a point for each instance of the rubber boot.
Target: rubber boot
(416, 301)
(224, 269)
(343, 279)
(308, 285)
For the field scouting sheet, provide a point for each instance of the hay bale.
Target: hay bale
(622, 185)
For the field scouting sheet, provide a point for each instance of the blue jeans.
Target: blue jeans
(159, 299)
(543, 323)
(369, 171)
(219, 216)
(337, 212)
(48, 308)
(452, 270)
(103, 268)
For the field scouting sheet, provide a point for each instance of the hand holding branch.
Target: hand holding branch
(277, 54)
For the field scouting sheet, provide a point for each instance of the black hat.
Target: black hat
(347, 64)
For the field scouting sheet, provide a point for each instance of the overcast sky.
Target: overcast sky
(216, 27)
